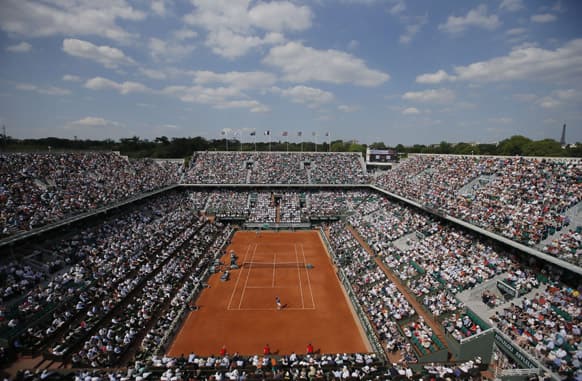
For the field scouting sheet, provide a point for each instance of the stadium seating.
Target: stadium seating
(524, 199)
(92, 301)
(276, 168)
(37, 189)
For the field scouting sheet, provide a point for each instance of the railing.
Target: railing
(519, 372)
(466, 340)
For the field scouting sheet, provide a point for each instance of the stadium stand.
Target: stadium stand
(38, 189)
(109, 296)
(524, 199)
(276, 168)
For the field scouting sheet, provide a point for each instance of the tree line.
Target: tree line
(164, 147)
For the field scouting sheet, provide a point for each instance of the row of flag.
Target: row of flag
(268, 133)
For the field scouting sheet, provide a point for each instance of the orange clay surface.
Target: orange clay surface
(242, 314)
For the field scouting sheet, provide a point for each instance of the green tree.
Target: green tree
(545, 147)
(513, 145)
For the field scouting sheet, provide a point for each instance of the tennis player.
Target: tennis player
(278, 302)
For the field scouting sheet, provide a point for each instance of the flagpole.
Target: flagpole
(255, 138)
(316, 142)
(329, 142)
(300, 135)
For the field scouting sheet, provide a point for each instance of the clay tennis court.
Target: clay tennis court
(242, 313)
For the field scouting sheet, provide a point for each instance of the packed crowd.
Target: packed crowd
(264, 209)
(521, 198)
(279, 168)
(37, 189)
(380, 221)
(346, 366)
(114, 257)
(549, 326)
(154, 290)
(159, 336)
(384, 305)
(127, 269)
(290, 207)
(228, 203)
(276, 168)
(294, 206)
(444, 261)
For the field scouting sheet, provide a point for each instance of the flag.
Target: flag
(267, 132)
(222, 132)
(284, 133)
(253, 133)
(327, 134)
(299, 133)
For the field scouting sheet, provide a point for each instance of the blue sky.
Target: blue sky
(396, 71)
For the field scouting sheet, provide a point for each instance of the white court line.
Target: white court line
(274, 268)
(308, 279)
(299, 273)
(269, 288)
(272, 309)
(247, 280)
(238, 278)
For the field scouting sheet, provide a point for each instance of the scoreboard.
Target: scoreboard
(381, 156)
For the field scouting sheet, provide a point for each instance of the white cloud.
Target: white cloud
(303, 64)
(567, 94)
(218, 97)
(231, 45)
(252, 105)
(241, 80)
(159, 7)
(105, 55)
(348, 108)
(280, 16)
(410, 111)
(234, 27)
(432, 78)
(548, 102)
(311, 96)
(543, 18)
(430, 96)
(524, 62)
(477, 17)
(560, 97)
(169, 50)
(511, 5)
(184, 34)
(516, 31)
(92, 121)
(23, 47)
(71, 78)
(68, 17)
(153, 74)
(100, 83)
(50, 90)
(398, 7)
(413, 26)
